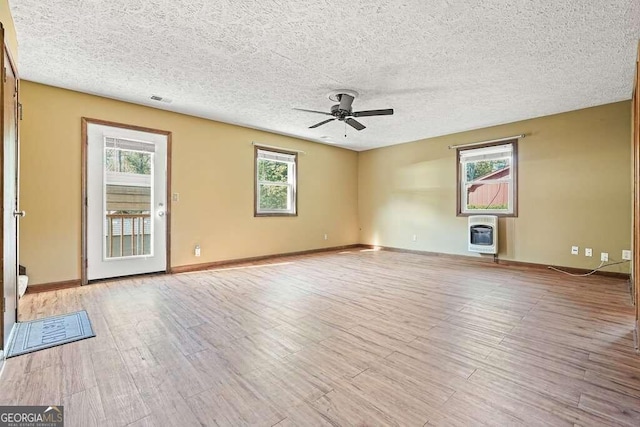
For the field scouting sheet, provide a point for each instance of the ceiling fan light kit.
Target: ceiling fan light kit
(343, 111)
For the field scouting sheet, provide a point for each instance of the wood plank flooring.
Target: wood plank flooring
(360, 337)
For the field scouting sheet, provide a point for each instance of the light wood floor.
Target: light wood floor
(358, 338)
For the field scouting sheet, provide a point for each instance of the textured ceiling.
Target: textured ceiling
(445, 66)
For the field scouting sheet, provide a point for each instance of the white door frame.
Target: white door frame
(9, 291)
(87, 121)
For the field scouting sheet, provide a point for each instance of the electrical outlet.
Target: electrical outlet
(414, 238)
(197, 250)
(626, 255)
(575, 250)
(604, 256)
(588, 252)
(326, 236)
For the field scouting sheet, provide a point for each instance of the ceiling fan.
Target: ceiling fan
(342, 111)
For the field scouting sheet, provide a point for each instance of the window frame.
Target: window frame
(513, 212)
(293, 185)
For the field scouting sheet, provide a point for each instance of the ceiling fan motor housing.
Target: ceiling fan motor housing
(338, 113)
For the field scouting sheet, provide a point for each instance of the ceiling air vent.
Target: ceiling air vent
(160, 99)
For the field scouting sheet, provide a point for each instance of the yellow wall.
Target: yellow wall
(212, 172)
(9, 29)
(574, 189)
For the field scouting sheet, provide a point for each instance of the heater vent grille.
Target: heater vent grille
(482, 234)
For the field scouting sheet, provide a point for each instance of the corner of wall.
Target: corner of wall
(9, 28)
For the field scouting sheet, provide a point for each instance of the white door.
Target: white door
(10, 208)
(126, 202)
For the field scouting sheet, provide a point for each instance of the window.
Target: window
(487, 179)
(276, 180)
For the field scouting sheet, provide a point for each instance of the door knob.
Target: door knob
(20, 214)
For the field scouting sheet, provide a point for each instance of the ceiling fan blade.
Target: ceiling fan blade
(321, 123)
(355, 124)
(386, 112)
(314, 111)
(345, 102)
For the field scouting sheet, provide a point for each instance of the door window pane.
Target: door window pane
(128, 201)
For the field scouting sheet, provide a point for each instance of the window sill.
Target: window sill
(267, 214)
(499, 215)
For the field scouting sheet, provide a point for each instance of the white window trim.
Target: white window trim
(463, 184)
(291, 184)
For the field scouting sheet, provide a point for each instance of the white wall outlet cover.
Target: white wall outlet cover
(626, 255)
(588, 252)
(604, 256)
(575, 250)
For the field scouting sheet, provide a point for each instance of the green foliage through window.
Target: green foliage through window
(476, 170)
(273, 197)
(128, 161)
(493, 207)
(275, 183)
(272, 171)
